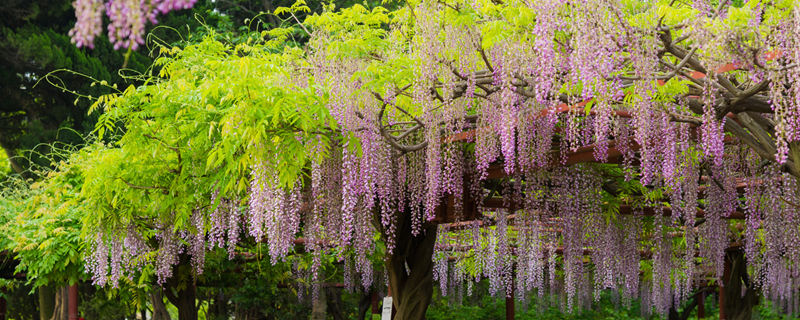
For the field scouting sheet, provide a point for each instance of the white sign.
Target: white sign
(386, 313)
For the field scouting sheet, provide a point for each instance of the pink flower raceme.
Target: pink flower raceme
(127, 20)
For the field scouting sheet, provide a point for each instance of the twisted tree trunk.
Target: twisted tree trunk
(184, 296)
(364, 304)
(159, 309)
(60, 311)
(410, 269)
(319, 306)
(334, 300)
(46, 302)
(738, 303)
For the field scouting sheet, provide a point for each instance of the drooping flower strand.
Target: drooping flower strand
(577, 198)
(274, 213)
(127, 20)
(784, 92)
(224, 223)
(714, 230)
(168, 255)
(711, 131)
(197, 241)
(234, 227)
(134, 251)
(89, 25)
(662, 254)
(97, 262)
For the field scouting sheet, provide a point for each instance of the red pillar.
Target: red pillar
(376, 308)
(726, 275)
(510, 299)
(72, 307)
(510, 308)
(701, 305)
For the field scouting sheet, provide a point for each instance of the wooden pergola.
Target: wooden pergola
(471, 212)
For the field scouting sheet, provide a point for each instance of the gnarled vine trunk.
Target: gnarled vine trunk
(410, 269)
(47, 298)
(159, 309)
(334, 300)
(737, 306)
(319, 306)
(60, 311)
(181, 290)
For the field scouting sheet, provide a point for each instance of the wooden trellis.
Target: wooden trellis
(470, 212)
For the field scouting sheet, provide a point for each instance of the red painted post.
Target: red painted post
(726, 275)
(701, 305)
(72, 306)
(509, 308)
(376, 308)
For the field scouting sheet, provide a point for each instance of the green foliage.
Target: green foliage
(41, 225)
(5, 167)
(34, 114)
(215, 112)
(483, 306)
(21, 305)
(106, 303)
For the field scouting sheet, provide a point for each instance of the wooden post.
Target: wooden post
(376, 308)
(47, 299)
(73, 302)
(726, 275)
(510, 307)
(701, 305)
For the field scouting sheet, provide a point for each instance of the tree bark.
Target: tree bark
(159, 309)
(218, 309)
(60, 305)
(410, 269)
(184, 296)
(184, 299)
(268, 7)
(687, 311)
(57, 306)
(319, 306)
(46, 301)
(62, 301)
(364, 304)
(737, 306)
(334, 300)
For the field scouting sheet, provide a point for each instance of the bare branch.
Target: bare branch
(743, 95)
(682, 64)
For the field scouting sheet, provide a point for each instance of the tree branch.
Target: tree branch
(163, 189)
(176, 149)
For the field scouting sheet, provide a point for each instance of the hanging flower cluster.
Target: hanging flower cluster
(127, 20)
(429, 114)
